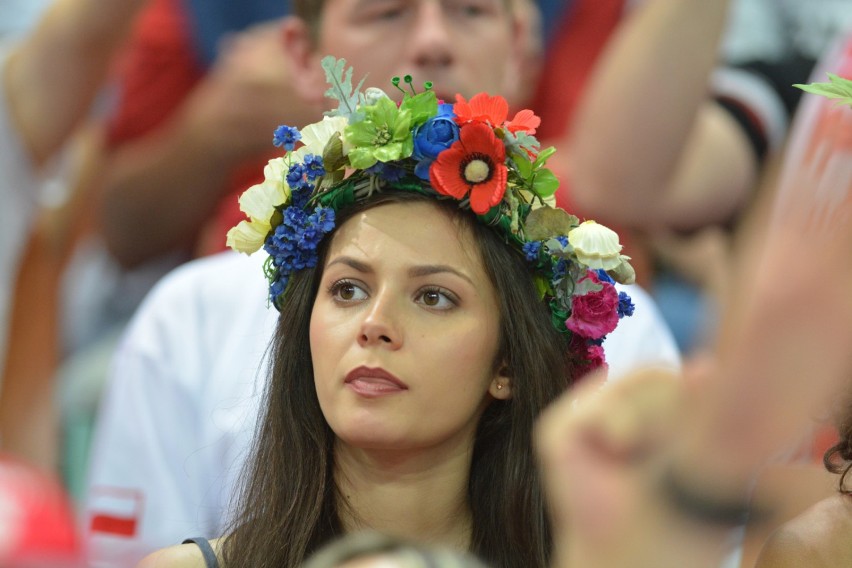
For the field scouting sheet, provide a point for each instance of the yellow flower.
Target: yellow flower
(315, 136)
(596, 246)
(259, 202)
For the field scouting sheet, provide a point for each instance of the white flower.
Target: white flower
(315, 136)
(596, 246)
(259, 202)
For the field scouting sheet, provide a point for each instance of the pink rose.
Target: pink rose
(595, 314)
(590, 357)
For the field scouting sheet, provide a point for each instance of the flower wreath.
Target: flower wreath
(468, 151)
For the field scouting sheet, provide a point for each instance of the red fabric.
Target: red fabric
(159, 71)
(579, 40)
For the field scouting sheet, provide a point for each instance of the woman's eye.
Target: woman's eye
(346, 291)
(437, 298)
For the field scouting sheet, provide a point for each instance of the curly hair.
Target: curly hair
(838, 458)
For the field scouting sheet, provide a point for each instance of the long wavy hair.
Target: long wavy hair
(288, 503)
(838, 458)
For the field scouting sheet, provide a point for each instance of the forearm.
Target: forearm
(157, 194)
(639, 132)
(55, 73)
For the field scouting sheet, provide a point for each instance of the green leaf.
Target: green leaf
(340, 88)
(543, 156)
(545, 183)
(362, 158)
(623, 273)
(525, 167)
(546, 222)
(332, 155)
(585, 286)
(421, 107)
(541, 285)
(838, 88)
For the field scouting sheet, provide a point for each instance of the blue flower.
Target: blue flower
(388, 172)
(604, 277)
(433, 137)
(296, 177)
(300, 196)
(313, 167)
(563, 240)
(531, 250)
(625, 305)
(276, 289)
(323, 219)
(293, 244)
(286, 136)
(560, 269)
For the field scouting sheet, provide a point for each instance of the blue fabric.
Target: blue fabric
(552, 13)
(211, 19)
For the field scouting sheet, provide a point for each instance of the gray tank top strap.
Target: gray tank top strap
(210, 559)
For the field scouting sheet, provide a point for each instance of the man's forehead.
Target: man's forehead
(359, 5)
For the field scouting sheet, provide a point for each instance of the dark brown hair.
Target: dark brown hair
(838, 458)
(288, 504)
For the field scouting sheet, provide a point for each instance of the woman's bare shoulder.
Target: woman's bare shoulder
(821, 536)
(178, 556)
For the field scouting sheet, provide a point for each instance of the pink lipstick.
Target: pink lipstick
(373, 382)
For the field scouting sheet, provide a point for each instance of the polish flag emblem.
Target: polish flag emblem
(115, 511)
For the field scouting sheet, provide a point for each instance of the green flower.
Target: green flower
(383, 136)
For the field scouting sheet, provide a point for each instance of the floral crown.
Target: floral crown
(468, 152)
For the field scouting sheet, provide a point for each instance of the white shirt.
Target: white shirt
(178, 414)
(18, 199)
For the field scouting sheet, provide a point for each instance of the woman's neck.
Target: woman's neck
(407, 494)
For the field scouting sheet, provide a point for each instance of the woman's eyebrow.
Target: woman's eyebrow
(429, 269)
(349, 261)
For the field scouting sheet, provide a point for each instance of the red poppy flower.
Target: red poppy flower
(474, 164)
(525, 120)
(494, 111)
(481, 108)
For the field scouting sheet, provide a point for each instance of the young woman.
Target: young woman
(432, 304)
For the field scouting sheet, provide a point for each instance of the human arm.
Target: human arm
(620, 462)
(161, 187)
(53, 75)
(649, 146)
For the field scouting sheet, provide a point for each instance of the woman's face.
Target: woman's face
(404, 331)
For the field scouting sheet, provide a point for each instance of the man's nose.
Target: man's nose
(431, 38)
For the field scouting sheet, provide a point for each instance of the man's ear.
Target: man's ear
(501, 385)
(308, 77)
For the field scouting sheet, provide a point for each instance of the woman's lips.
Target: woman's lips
(373, 382)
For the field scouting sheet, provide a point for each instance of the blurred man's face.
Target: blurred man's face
(463, 46)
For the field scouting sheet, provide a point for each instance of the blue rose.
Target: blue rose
(433, 137)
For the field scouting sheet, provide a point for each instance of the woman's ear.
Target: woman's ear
(308, 78)
(501, 385)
